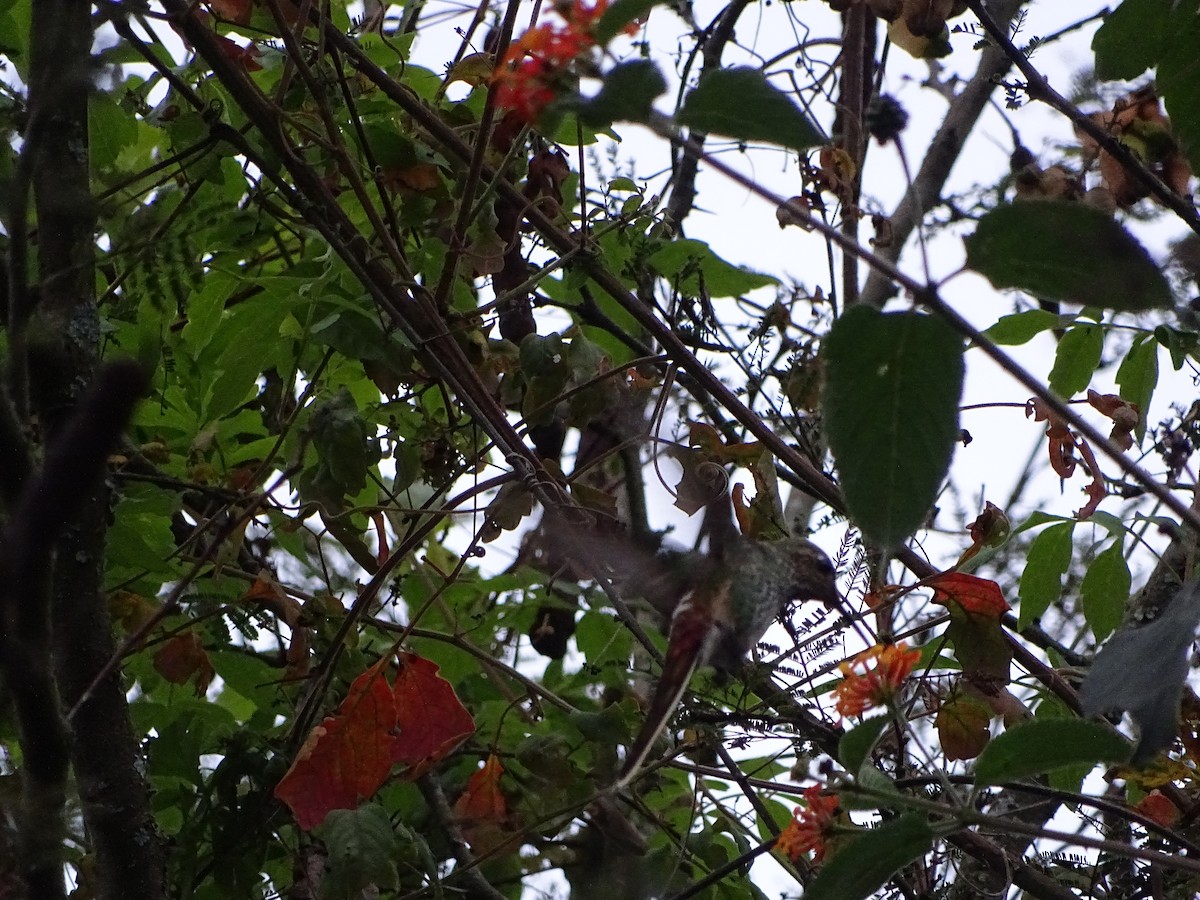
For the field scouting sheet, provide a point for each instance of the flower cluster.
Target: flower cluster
(811, 827)
(530, 73)
(874, 677)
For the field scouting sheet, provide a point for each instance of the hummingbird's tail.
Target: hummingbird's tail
(686, 649)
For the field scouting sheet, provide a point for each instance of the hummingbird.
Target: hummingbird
(726, 607)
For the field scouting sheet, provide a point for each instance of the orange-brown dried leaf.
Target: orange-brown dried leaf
(1157, 807)
(482, 810)
(431, 718)
(796, 211)
(1125, 416)
(1095, 489)
(131, 610)
(237, 11)
(347, 757)
(835, 171)
(975, 595)
(182, 658)
(1060, 440)
(991, 528)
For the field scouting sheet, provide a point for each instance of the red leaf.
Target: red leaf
(973, 594)
(432, 720)
(347, 757)
(482, 809)
(232, 10)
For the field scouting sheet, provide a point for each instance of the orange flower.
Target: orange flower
(810, 828)
(874, 677)
(532, 70)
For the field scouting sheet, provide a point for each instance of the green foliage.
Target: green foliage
(741, 103)
(1066, 251)
(1042, 746)
(865, 864)
(1077, 357)
(892, 386)
(1045, 564)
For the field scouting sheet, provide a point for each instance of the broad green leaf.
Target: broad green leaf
(1138, 376)
(1178, 77)
(856, 743)
(693, 268)
(1180, 344)
(1045, 564)
(1042, 746)
(1066, 251)
(1129, 41)
(865, 864)
(891, 395)
(1105, 591)
(740, 103)
(110, 130)
(1022, 327)
(1142, 670)
(627, 95)
(14, 32)
(362, 851)
(1078, 356)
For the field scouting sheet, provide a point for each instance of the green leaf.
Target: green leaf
(858, 741)
(620, 14)
(1129, 41)
(892, 388)
(694, 269)
(627, 95)
(362, 851)
(1178, 79)
(865, 864)
(740, 103)
(110, 130)
(1042, 746)
(1066, 251)
(1138, 376)
(1045, 564)
(1076, 360)
(1105, 591)
(1180, 344)
(1022, 327)
(14, 33)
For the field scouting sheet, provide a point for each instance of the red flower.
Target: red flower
(810, 828)
(874, 677)
(532, 70)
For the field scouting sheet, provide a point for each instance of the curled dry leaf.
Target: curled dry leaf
(1125, 416)
(182, 658)
(482, 810)
(1137, 121)
(991, 528)
(796, 211)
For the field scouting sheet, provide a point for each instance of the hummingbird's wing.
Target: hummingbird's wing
(692, 633)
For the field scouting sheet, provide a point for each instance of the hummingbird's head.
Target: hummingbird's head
(813, 574)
